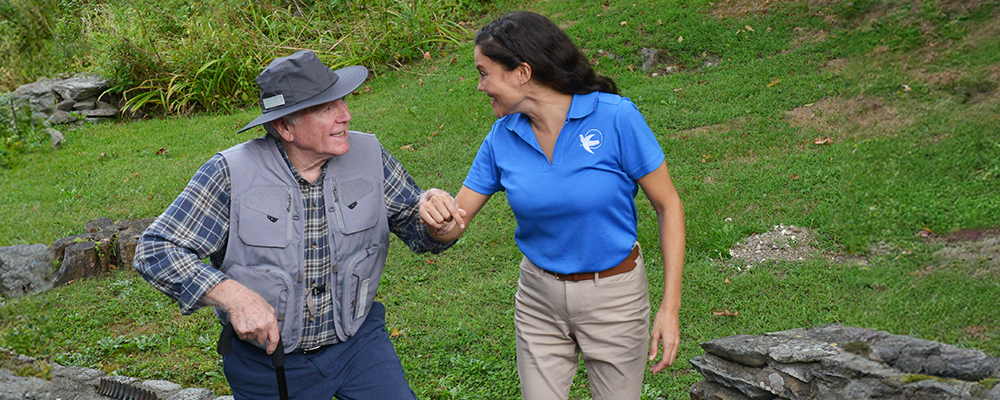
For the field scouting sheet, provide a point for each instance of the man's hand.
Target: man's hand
(440, 211)
(251, 316)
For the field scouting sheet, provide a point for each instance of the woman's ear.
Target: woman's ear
(524, 72)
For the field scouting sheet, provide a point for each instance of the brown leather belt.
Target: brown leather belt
(625, 266)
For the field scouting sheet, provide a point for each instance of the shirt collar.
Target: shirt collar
(581, 106)
(295, 173)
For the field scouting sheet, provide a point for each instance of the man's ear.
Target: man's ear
(284, 129)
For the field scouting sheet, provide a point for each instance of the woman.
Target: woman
(569, 152)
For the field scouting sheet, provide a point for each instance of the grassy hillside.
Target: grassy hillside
(874, 124)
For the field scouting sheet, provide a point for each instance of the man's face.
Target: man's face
(322, 132)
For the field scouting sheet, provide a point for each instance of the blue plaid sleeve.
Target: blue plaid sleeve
(402, 197)
(194, 227)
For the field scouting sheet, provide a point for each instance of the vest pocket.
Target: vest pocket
(360, 290)
(264, 219)
(275, 286)
(358, 205)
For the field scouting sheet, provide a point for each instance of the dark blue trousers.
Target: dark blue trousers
(364, 367)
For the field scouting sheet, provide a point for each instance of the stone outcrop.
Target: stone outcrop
(25, 269)
(70, 100)
(24, 377)
(837, 362)
(105, 245)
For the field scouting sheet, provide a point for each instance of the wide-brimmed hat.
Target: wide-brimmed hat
(299, 81)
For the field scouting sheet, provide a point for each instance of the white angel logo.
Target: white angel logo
(591, 140)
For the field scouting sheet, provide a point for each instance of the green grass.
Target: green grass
(900, 161)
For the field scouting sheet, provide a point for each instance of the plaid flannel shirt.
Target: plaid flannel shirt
(196, 226)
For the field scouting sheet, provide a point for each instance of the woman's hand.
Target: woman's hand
(666, 330)
(440, 212)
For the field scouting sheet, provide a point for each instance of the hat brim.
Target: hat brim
(349, 79)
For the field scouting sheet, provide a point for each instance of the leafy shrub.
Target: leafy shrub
(20, 131)
(180, 56)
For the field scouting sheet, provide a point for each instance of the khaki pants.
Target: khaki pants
(606, 321)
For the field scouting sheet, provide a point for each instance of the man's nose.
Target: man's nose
(343, 113)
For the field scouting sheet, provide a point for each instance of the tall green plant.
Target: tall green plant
(179, 56)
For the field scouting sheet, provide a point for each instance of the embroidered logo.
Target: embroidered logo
(591, 140)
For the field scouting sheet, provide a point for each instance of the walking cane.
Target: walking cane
(225, 347)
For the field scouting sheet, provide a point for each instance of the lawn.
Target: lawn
(905, 92)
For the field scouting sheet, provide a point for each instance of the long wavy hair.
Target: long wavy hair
(526, 37)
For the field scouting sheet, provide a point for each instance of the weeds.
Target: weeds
(20, 131)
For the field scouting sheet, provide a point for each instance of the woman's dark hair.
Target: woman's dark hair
(555, 61)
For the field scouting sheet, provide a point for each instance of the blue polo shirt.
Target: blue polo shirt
(577, 213)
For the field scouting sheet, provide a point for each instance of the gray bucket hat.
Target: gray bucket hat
(299, 81)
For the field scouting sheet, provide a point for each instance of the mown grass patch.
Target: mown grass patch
(907, 153)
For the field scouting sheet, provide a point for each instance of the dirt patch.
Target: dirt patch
(841, 118)
(785, 243)
(835, 65)
(804, 36)
(702, 131)
(739, 8)
(958, 7)
(976, 250)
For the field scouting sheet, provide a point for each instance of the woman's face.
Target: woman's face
(503, 87)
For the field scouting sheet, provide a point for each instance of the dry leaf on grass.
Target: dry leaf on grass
(724, 313)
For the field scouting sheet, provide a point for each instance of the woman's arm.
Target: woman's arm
(660, 191)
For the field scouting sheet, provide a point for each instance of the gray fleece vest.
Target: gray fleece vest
(266, 253)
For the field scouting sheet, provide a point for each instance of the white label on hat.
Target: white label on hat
(274, 101)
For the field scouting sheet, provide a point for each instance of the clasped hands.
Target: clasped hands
(439, 210)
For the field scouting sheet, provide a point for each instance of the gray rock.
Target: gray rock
(56, 137)
(193, 394)
(65, 105)
(652, 59)
(75, 383)
(79, 261)
(162, 389)
(732, 375)
(25, 269)
(39, 94)
(705, 390)
(98, 224)
(100, 112)
(85, 104)
(745, 349)
(837, 362)
(13, 387)
(80, 87)
(800, 351)
(59, 117)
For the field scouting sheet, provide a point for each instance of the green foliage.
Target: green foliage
(183, 56)
(179, 56)
(740, 159)
(39, 38)
(20, 131)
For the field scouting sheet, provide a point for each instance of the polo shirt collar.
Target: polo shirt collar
(581, 106)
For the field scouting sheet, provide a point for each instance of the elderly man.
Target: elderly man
(296, 227)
